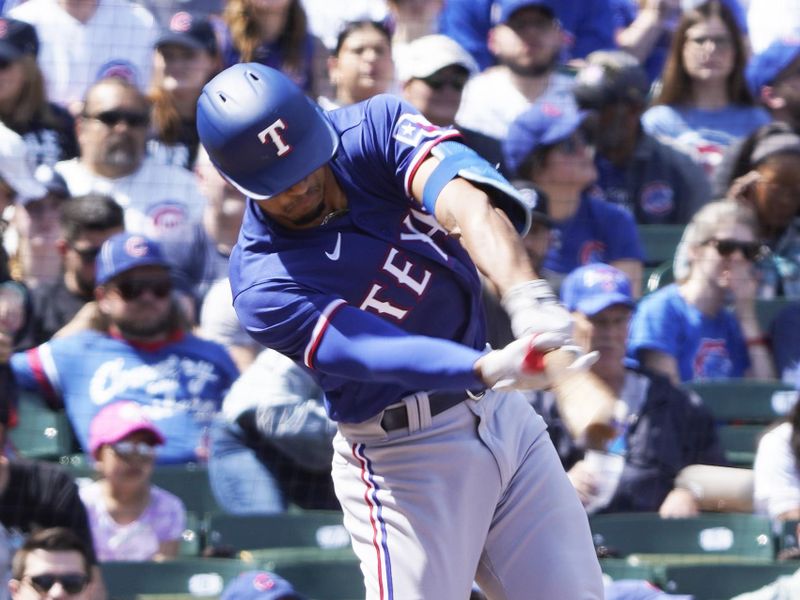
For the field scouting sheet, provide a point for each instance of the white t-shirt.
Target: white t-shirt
(117, 40)
(776, 479)
(160, 201)
(491, 101)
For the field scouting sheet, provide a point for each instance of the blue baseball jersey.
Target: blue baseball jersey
(386, 256)
(704, 347)
(180, 384)
(598, 232)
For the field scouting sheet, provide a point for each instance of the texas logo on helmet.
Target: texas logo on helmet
(273, 133)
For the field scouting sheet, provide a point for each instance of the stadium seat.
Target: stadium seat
(787, 537)
(722, 581)
(716, 535)
(326, 580)
(659, 242)
(658, 277)
(41, 433)
(745, 400)
(310, 529)
(739, 443)
(618, 568)
(199, 577)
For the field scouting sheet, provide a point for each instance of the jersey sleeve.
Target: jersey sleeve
(35, 370)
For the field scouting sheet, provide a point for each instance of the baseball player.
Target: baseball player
(357, 258)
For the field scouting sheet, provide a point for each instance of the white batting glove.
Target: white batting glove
(533, 308)
(520, 365)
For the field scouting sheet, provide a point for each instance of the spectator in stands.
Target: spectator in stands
(652, 180)
(432, 73)
(186, 57)
(160, 201)
(86, 222)
(526, 39)
(36, 226)
(52, 563)
(82, 42)
(785, 338)
(705, 325)
(766, 177)
(275, 34)
(411, 20)
(137, 348)
(660, 428)
(259, 585)
(275, 445)
(547, 145)
(361, 65)
(131, 519)
(587, 26)
(776, 482)
(773, 76)
(704, 103)
(48, 129)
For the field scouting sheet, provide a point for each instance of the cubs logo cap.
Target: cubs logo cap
(765, 67)
(259, 585)
(592, 288)
(123, 252)
(117, 421)
(17, 38)
(190, 31)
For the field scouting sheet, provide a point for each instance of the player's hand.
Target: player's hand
(534, 309)
(521, 364)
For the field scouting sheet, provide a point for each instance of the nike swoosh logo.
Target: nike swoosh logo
(337, 250)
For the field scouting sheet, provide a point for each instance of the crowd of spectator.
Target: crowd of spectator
(607, 115)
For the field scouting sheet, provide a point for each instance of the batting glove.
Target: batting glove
(533, 308)
(521, 364)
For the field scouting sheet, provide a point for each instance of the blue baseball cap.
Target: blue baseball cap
(542, 124)
(593, 288)
(503, 9)
(123, 252)
(765, 66)
(259, 585)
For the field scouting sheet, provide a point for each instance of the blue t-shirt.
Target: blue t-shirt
(598, 232)
(704, 347)
(180, 384)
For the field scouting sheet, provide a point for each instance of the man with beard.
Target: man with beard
(526, 40)
(139, 350)
(86, 222)
(162, 202)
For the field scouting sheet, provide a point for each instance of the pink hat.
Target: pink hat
(117, 421)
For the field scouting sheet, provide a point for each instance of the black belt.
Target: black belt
(397, 417)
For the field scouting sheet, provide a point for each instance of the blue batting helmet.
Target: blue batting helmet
(261, 131)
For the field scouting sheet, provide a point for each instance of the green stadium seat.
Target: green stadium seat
(618, 568)
(739, 443)
(326, 580)
(787, 536)
(767, 310)
(41, 433)
(310, 529)
(659, 242)
(714, 535)
(658, 277)
(722, 581)
(199, 577)
(745, 400)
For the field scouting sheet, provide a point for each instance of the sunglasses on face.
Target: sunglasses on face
(457, 82)
(750, 250)
(130, 449)
(87, 255)
(73, 583)
(131, 289)
(111, 118)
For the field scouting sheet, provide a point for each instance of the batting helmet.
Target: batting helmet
(261, 131)
(610, 76)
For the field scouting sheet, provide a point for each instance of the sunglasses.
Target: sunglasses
(110, 118)
(129, 449)
(454, 81)
(87, 255)
(73, 583)
(131, 289)
(750, 250)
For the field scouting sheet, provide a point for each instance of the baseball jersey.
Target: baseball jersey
(180, 383)
(598, 232)
(704, 347)
(117, 40)
(387, 257)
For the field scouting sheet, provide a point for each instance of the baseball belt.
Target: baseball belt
(397, 417)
